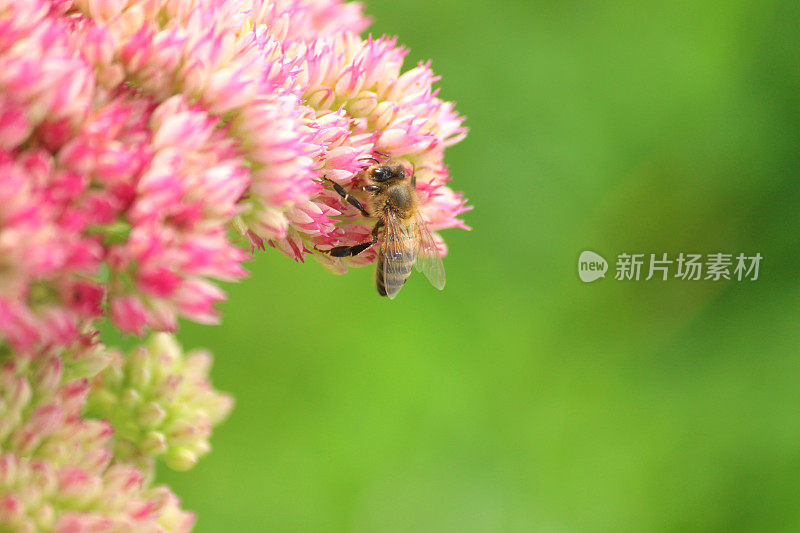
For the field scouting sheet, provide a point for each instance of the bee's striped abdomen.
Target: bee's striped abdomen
(395, 263)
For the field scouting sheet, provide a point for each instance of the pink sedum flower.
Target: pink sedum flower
(137, 138)
(239, 109)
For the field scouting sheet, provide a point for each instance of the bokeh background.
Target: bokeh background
(520, 399)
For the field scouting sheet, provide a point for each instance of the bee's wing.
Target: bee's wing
(428, 261)
(397, 256)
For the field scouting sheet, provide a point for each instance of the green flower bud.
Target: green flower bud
(159, 402)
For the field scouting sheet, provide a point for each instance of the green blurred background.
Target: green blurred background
(520, 399)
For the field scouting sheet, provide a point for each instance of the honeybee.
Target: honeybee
(406, 241)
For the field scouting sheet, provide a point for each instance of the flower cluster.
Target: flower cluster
(105, 183)
(160, 401)
(57, 469)
(144, 146)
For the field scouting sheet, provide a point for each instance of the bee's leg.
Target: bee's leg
(346, 251)
(348, 198)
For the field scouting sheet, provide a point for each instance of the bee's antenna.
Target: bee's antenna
(387, 156)
(370, 158)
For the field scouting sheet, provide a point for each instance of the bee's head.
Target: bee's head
(380, 173)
